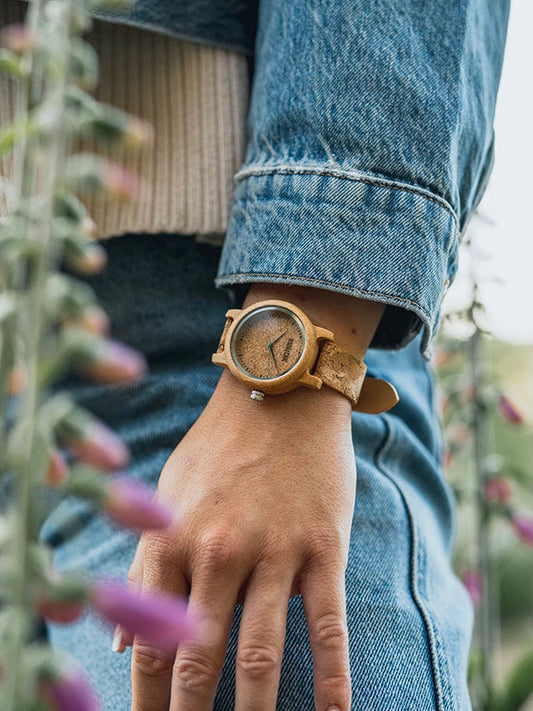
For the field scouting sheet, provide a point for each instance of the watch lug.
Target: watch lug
(233, 313)
(310, 381)
(219, 359)
(323, 333)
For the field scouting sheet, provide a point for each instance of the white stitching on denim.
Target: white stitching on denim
(428, 624)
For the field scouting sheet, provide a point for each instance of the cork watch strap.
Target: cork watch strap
(345, 373)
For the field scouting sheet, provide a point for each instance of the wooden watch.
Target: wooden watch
(273, 347)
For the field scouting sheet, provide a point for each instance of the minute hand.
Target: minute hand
(271, 351)
(277, 339)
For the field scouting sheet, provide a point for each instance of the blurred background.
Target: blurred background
(499, 260)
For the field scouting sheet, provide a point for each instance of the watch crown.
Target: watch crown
(257, 395)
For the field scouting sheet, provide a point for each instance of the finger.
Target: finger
(199, 662)
(261, 640)
(151, 667)
(324, 601)
(123, 638)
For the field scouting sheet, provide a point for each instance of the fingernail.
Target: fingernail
(118, 643)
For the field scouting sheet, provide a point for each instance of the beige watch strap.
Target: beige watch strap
(340, 370)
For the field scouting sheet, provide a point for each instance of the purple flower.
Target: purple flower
(509, 411)
(115, 362)
(523, 527)
(131, 504)
(68, 692)
(100, 446)
(159, 618)
(473, 582)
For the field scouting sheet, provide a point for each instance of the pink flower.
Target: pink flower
(132, 504)
(523, 527)
(120, 182)
(101, 447)
(509, 411)
(68, 692)
(473, 582)
(498, 489)
(89, 260)
(57, 470)
(159, 618)
(116, 362)
(60, 611)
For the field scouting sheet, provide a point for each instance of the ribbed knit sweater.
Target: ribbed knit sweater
(196, 98)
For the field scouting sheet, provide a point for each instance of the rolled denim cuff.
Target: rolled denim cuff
(347, 232)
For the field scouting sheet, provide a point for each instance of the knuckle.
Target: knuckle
(325, 546)
(194, 671)
(150, 661)
(217, 551)
(330, 630)
(257, 660)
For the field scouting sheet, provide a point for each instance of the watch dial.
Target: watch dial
(268, 342)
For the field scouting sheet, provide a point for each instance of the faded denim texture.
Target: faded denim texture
(409, 617)
(370, 142)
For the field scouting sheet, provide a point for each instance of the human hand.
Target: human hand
(265, 493)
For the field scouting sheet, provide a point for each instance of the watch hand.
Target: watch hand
(271, 352)
(277, 339)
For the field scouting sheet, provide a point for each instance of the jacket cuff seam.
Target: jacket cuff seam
(357, 177)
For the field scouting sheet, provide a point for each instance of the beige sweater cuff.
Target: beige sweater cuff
(196, 98)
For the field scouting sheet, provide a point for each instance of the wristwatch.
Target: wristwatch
(273, 347)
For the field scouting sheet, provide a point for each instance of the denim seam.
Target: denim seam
(413, 568)
(356, 178)
(399, 299)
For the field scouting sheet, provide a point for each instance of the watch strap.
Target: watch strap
(340, 370)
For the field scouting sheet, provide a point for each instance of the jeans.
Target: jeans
(410, 618)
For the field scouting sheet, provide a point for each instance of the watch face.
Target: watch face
(268, 342)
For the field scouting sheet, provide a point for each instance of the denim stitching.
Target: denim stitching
(399, 299)
(379, 182)
(428, 624)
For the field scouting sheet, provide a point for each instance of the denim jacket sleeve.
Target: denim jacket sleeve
(370, 141)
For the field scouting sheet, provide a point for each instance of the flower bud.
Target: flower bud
(473, 582)
(132, 504)
(93, 319)
(99, 446)
(57, 471)
(523, 527)
(509, 411)
(498, 490)
(87, 259)
(120, 182)
(116, 362)
(158, 618)
(17, 379)
(138, 132)
(69, 691)
(18, 37)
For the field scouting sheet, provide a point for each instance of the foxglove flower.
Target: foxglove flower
(523, 527)
(498, 490)
(157, 617)
(70, 691)
(509, 411)
(132, 504)
(473, 582)
(100, 446)
(116, 362)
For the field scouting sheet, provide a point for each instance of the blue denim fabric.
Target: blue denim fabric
(370, 142)
(409, 617)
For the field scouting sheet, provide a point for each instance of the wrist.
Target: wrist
(353, 321)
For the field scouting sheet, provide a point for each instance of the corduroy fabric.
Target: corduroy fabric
(196, 98)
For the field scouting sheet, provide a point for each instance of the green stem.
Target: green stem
(479, 426)
(32, 331)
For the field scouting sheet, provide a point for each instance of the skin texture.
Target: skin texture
(265, 493)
